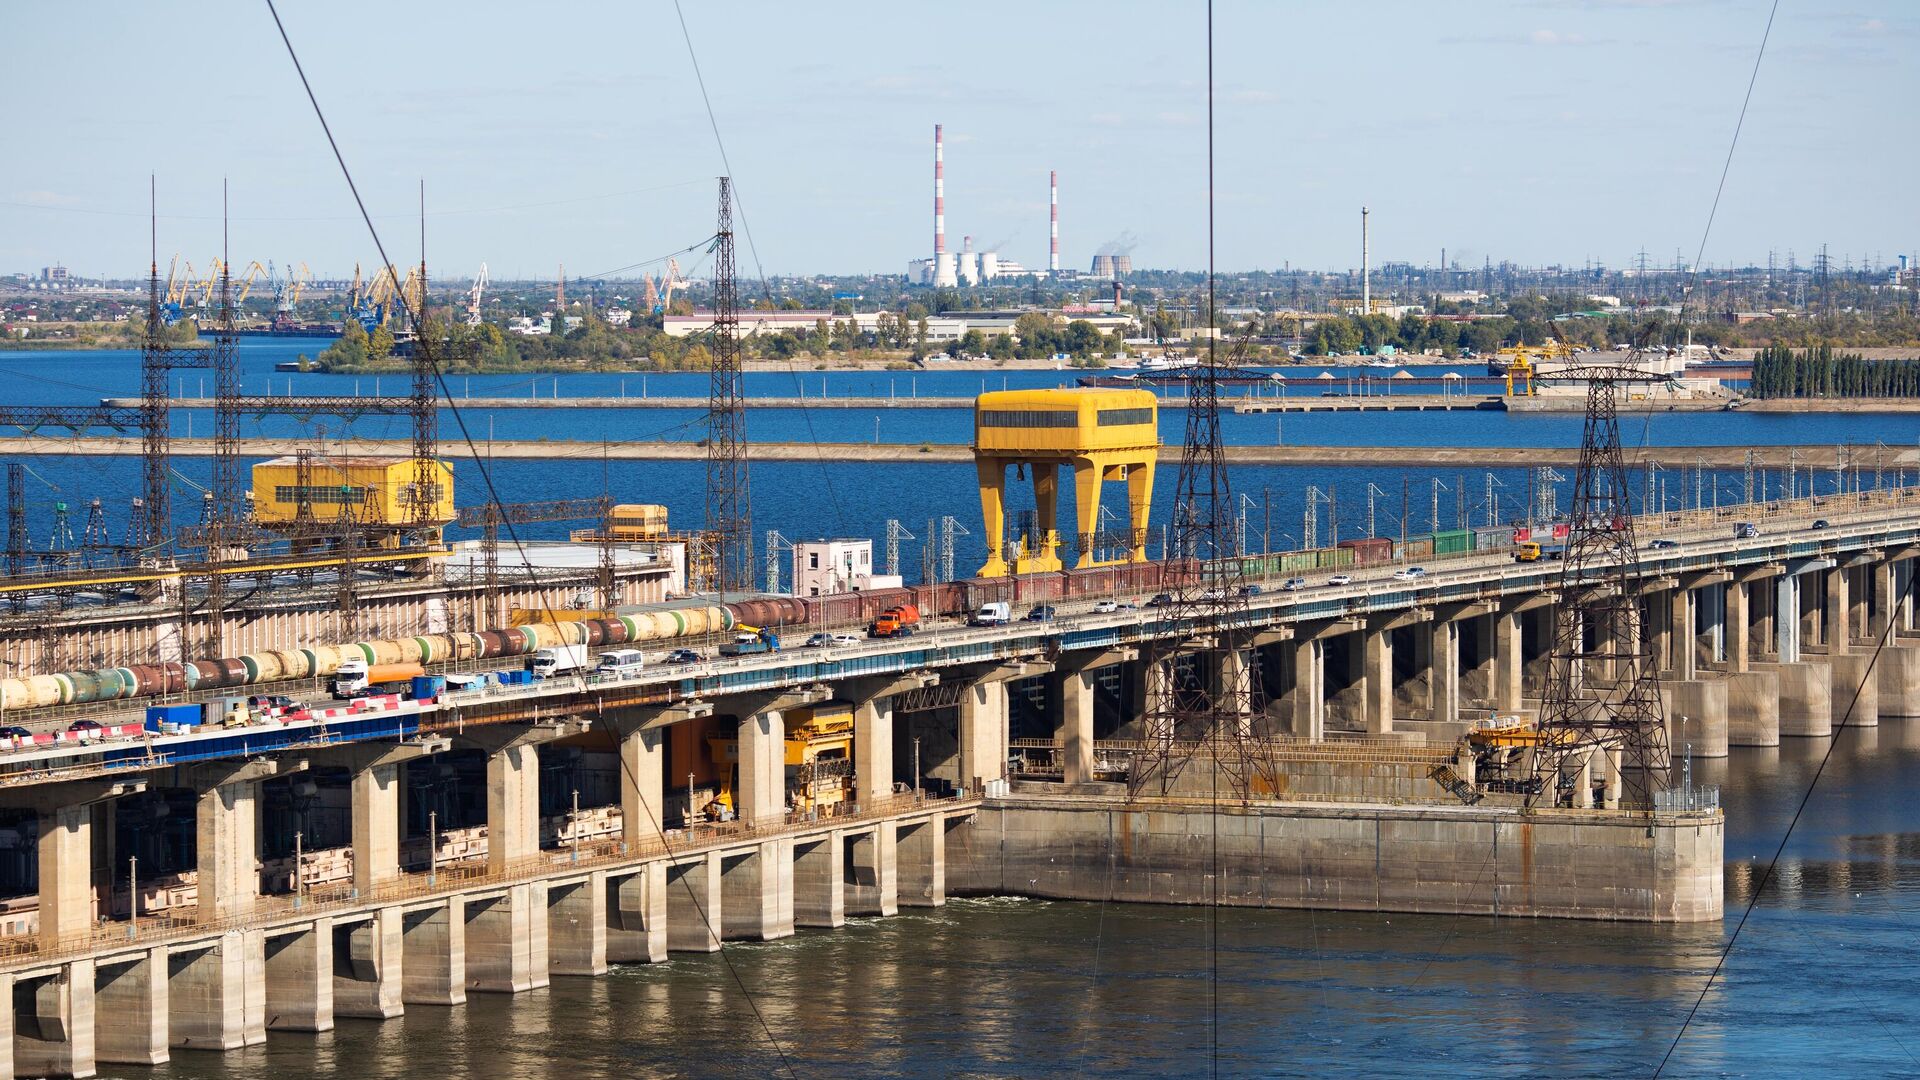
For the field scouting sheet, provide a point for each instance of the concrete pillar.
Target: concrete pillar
(1884, 599)
(819, 881)
(1856, 690)
(1413, 672)
(643, 758)
(873, 751)
(507, 939)
(433, 965)
(1682, 650)
(1508, 661)
(1753, 708)
(513, 808)
(693, 904)
(1806, 699)
(228, 848)
(1443, 684)
(1899, 674)
(1703, 704)
(577, 926)
(1379, 680)
(983, 733)
(756, 888)
(1075, 689)
(54, 1022)
(922, 852)
(130, 996)
(376, 827)
(1835, 618)
(66, 874)
(872, 870)
(1738, 627)
(762, 796)
(368, 980)
(637, 915)
(1309, 694)
(216, 994)
(1476, 687)
(299, 978)
(1786, 621)
(1231, 682)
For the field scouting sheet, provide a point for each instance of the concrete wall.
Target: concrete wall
(1570, 864)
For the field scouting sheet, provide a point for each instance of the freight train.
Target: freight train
(694, 619)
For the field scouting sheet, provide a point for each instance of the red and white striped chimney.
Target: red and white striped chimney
(1053, 224)
(939, 194)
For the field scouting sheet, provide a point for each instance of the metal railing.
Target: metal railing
(1688, 798)
(448, 879)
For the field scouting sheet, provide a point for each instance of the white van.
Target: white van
(621, 662)
(997, 613)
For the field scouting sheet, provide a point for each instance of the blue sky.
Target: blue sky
(1532, 130)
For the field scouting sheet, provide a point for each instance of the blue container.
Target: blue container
(185, 715)
(428, 686)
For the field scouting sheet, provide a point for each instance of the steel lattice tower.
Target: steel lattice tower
(729, 511)
(1601, 698)
(156, 506)
(422, 402)
(1221, 717)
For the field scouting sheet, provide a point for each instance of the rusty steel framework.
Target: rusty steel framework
(1220, 716)
(489, 516)
(729, 510)
(1602, 709)
(155, 506)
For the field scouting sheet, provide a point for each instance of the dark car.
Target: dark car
(1040, 613)
(1822, 523)
(1663, 545)
(84, 727)
(1161, 600)
(270, 701)
(1249, 590)
(14, 731)
(683, 656)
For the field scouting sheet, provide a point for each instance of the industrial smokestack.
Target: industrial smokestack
(939, 193)
(943, 275)
(1366, 281)
(1053, 222)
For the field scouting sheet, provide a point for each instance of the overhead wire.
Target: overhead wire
(766, 289)
(1766, 875)
(422, 337)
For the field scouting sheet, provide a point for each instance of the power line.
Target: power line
(421, 342)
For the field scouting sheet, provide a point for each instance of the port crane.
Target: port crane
(475, 294)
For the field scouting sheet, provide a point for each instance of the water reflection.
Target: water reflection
(1821, 980)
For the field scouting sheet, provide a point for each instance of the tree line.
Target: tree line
(1817, 372)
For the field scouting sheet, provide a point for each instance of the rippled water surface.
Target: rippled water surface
(1824, 980)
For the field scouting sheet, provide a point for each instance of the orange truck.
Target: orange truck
(897, 621)
(356, 677)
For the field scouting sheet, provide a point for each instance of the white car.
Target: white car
(1411, 573)
(1340, 579)
(1105, 607)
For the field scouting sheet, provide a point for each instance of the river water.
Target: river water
(855, 498)
(1822, 981)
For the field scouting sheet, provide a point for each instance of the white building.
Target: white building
(824, 567)
(767, 322)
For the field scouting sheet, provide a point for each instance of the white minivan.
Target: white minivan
(621, 662)
(997, 613)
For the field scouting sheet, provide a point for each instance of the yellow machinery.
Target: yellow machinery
(631, 521)
(378, 489)
(819, 758)
(1523, 364)
(1101, 434)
